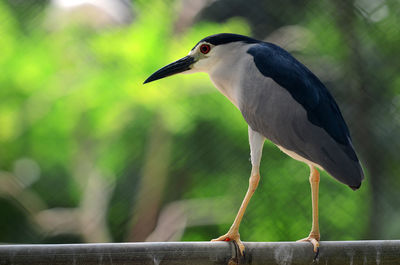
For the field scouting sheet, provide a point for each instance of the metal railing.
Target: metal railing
(202, 253)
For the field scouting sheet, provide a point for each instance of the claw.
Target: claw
(316, 254)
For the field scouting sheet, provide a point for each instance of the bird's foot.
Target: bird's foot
(232, 236)
(313, 239)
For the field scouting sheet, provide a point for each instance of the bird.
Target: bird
(282, 101)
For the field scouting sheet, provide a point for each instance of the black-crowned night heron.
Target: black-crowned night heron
(281, 100)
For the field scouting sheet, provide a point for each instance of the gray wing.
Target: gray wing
(271, 110)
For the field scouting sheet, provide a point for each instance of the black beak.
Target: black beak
(171, 69)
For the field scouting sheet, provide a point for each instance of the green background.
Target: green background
(89, 154)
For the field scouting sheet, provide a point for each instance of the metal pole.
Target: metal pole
(204, 253)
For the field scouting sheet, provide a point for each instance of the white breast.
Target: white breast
(227, 72)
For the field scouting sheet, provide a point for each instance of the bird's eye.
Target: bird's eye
(205, 48)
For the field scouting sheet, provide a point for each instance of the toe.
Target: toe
(221, 238)
(240, 246)
(315, 244)
(313, 241)
(232, 237)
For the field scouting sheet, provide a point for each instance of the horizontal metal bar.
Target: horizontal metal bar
(204, 253)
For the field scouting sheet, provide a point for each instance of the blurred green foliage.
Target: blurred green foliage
(73, 103)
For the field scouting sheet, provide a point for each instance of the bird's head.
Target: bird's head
(204, 55)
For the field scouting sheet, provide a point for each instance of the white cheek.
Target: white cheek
(204, 64)
(200, 65)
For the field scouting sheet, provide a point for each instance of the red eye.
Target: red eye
(205, 48)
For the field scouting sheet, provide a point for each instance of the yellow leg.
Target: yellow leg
(233, 233)
(314, 234)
